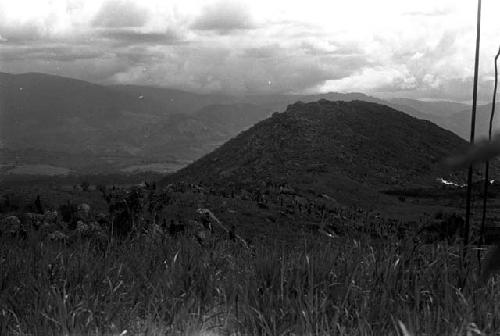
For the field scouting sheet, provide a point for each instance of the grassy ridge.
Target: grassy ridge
(155, 285)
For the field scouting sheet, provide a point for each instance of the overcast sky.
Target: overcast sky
(387, 48)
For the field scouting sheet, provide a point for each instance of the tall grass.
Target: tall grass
(153, 285)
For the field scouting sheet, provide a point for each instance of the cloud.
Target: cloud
(456, 89)
(260, 52)
(438, 11)
(439, 69)
(98, 63)
(324, 46)
(421, 49)
(20, 33)
(91, 69)
(224, 17)
(57, 53)
(120, 13)
(127, 36)
(373, 79)
(265, 69)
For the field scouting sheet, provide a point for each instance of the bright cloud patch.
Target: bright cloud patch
(373, 79)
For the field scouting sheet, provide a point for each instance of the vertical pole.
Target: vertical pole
(466, 232)
(487, 164)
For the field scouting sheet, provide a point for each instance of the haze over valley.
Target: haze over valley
(83, 127)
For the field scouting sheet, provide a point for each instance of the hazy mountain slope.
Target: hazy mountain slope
(53, 114)
(231, 119)
(434, 108)
(439, 112)
(191, 136)
(460, 122)
(63, 115)
(175, 101)
(128, 123)
(184, 102)
(347, 149)
(417, 113)
(57, 113)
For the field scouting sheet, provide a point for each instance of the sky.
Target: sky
(387, 48)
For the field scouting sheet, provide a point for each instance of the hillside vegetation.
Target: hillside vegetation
(349, 150)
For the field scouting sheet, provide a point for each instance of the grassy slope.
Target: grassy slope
(158, 286)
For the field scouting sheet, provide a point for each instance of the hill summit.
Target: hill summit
(349, 150)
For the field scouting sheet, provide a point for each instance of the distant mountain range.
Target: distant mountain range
(348, 150)
(85, 126)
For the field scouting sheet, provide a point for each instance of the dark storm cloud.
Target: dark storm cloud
(134, 37)
(120, 13)
(224, 17)
(275, 69)
(337, 53)
(19, 34)
(90, 69)
(94, 62)
(266, 69)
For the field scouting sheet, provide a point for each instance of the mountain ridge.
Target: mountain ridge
(350, 150)
(145, 124)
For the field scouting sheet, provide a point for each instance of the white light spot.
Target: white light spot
(446, 182)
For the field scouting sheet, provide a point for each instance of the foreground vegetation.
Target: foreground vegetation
(153, 284)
